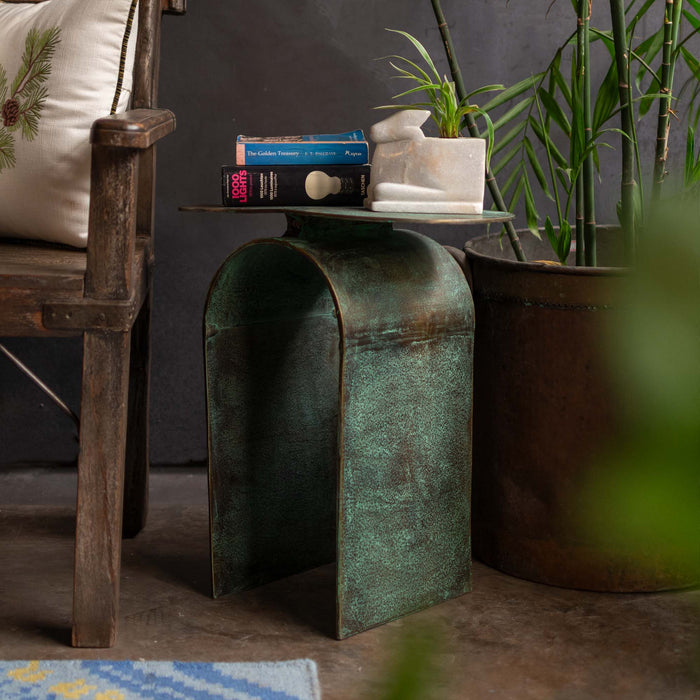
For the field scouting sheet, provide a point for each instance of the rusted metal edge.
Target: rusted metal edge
(92, 315)
(523, 301)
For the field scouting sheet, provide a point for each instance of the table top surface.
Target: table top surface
(359, 214)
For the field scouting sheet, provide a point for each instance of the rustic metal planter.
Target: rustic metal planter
(338, 366)
(543, 408)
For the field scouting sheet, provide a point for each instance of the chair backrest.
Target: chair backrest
(145, 94)
(147, 48)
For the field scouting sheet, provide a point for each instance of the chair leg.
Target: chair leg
(136, 469)
(100, 488)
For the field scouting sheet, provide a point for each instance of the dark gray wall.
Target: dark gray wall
(264, 67)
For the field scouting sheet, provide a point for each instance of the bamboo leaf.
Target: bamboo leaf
(564, 175)
(531, 214)
(513, 112)
(564, 242)
(545, 139)
(554, 111)
(536, 167)
(507, 158)
(562, 85)
(512, 92)
(692, 20)
(692, 63)
(516, 175)
(550, 233)
(647, 100)
(509, 137)
(608, 98)
(645, 53)
(641, 12)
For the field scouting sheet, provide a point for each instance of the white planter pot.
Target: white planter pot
(426, 174)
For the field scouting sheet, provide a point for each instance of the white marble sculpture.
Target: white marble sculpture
(415, 173)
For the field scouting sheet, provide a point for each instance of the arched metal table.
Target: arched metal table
(339, 386)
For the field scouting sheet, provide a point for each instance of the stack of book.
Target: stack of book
(316, 169)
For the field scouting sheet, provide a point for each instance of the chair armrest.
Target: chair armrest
(137, 128)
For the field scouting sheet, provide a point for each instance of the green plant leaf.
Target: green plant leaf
(550, 233)
(562, 85)
(514, 177)
(506, 159)
(692, 20)
(491, 136)
(419, 88)
(481, 90)
(545, 139)
(512, 92)
(536, 167)
(641, 12)
(517, 193)
(513, 112)
(423, 77)
(421, 50)
(554, 111)
(505, 140)
(692, 62)
(531, 215)
(607, 99)
(691, 165)
(564, 242)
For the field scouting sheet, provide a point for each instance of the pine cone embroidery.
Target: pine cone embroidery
(23, 99)
(10, 112)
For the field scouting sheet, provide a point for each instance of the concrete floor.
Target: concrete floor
(508, 639)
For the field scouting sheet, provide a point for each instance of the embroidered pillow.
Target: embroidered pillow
(63, 64)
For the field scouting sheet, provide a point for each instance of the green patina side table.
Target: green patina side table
(339, 392)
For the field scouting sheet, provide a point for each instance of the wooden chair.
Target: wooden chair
(103, 294)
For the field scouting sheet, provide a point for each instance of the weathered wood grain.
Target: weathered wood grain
(138, 128)
(103, 293)
(100, 488)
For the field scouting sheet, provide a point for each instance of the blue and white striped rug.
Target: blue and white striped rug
(158, 680)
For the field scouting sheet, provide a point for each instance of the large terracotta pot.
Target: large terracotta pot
(543, 408)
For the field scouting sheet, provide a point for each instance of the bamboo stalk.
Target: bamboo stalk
(617, 13)
(578, 185)
(589, 223)
(472, 126)
(672, 18)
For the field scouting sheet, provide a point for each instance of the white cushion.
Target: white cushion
(44, 193)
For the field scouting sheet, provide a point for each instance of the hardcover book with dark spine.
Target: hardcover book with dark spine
(294, 185)
(349, 148)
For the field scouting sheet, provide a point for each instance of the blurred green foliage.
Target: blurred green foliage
(647, 487)
(413, 672)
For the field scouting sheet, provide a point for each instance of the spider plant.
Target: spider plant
(447, 110)
(550, 109)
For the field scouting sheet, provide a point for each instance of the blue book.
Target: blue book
(349, 148)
